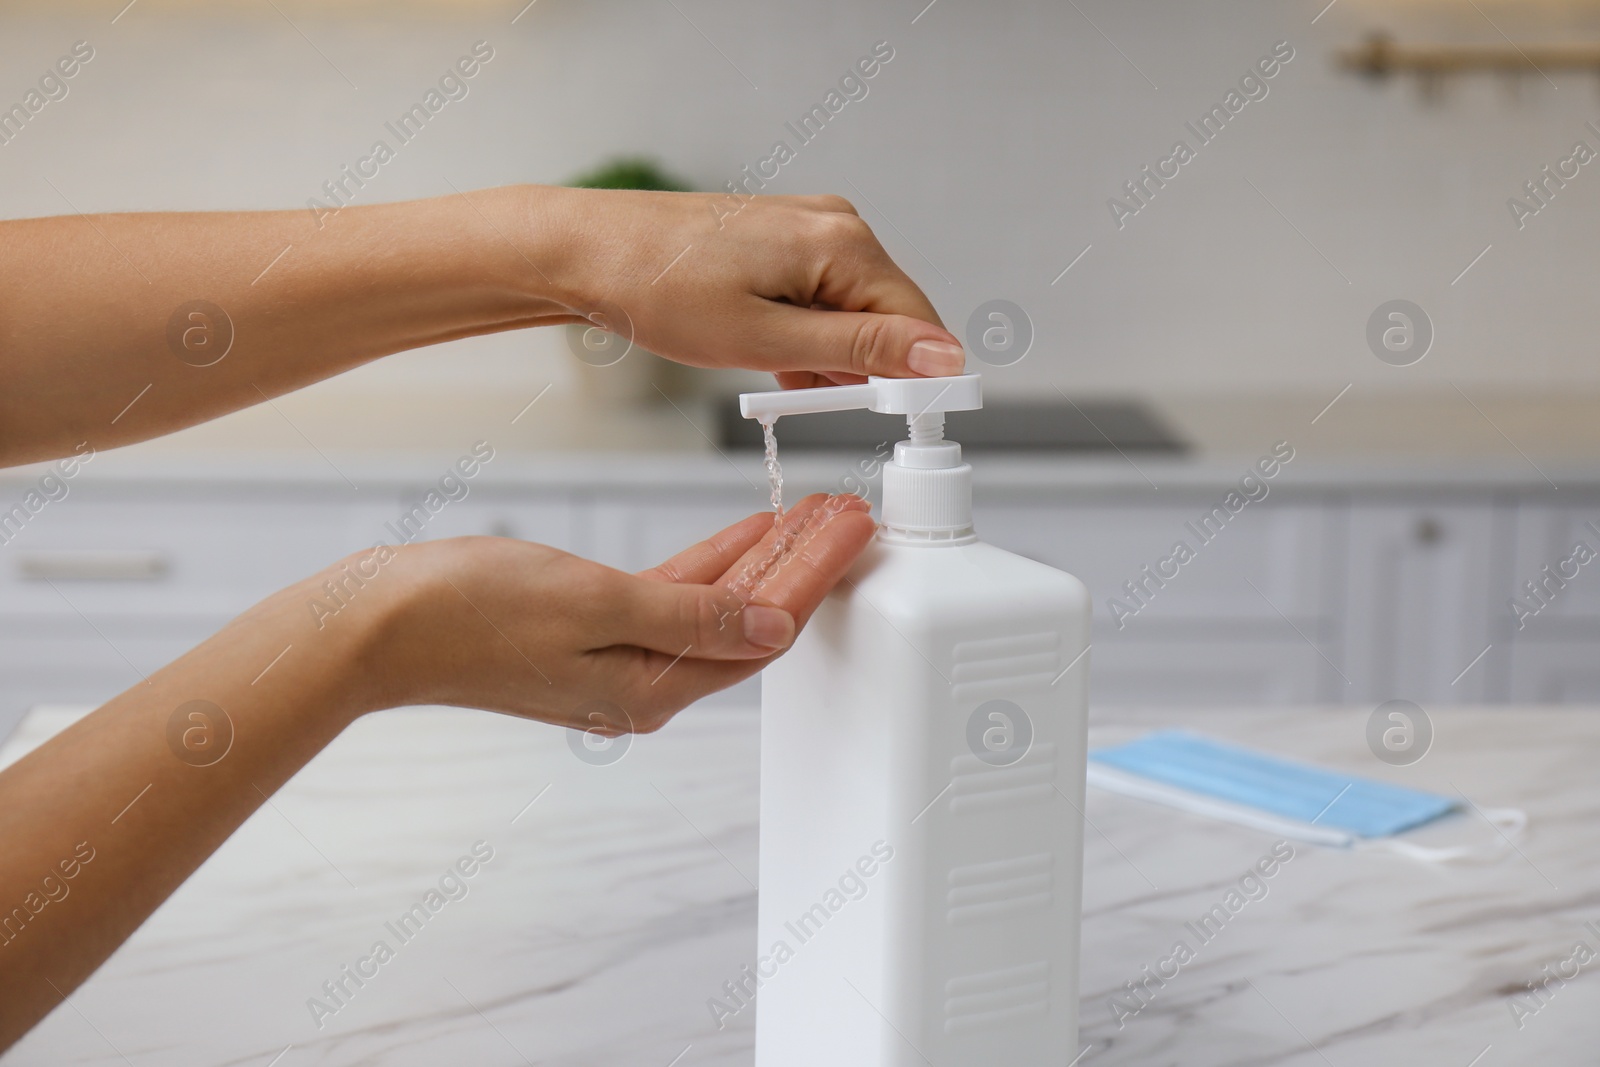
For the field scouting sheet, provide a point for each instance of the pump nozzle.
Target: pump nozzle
(887, 396)
(927, 489)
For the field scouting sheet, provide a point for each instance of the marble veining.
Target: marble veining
(622, 899)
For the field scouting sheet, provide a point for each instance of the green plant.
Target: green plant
(630, 172)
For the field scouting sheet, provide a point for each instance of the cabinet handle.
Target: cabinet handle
(91, 566)
(1429, 532)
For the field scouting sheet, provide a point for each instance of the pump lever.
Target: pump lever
(887, 396)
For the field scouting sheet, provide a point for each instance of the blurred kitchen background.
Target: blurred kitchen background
(1166, 352)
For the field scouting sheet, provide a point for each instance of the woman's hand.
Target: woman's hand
(796, 285)
(516, 627)
(478, 621)
(211, 312)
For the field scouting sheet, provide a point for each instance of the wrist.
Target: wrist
(548, 224)
(335, 625)
(386, 592)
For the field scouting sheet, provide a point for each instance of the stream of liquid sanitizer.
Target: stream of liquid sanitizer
(752, 576)
(769, 434)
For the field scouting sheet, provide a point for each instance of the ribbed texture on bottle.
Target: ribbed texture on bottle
(927, 504)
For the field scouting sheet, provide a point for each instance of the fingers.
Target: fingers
(892, 328)
(678, 611)
(707, 561)
(797, 585)
(854, 272)
(844, 309)
(805, 379)
(800, 523)
(800, 379)
(798, 573)
(708, 622)
(857, 342)
(827, 202)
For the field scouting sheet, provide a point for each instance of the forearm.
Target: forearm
(147, 792)
(87, 304)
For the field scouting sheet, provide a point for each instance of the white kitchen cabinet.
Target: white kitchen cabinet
(1555, 672)
(547, 518)
(1569, 590)
(112, 582)
(1421, 582)
(179, 551)
(1553, 641)
(1204, 673)
(1264, 564)
(1335, 594)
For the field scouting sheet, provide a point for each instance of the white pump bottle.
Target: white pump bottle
(922, 777)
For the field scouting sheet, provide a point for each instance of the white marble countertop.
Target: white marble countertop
(620, 898)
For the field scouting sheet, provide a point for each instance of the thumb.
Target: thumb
(699, 621)
(862, 342)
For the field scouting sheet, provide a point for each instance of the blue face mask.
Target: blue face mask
(1298, 800)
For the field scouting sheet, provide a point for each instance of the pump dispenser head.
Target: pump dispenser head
(927, 489)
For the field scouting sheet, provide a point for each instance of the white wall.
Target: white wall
(992, 141)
